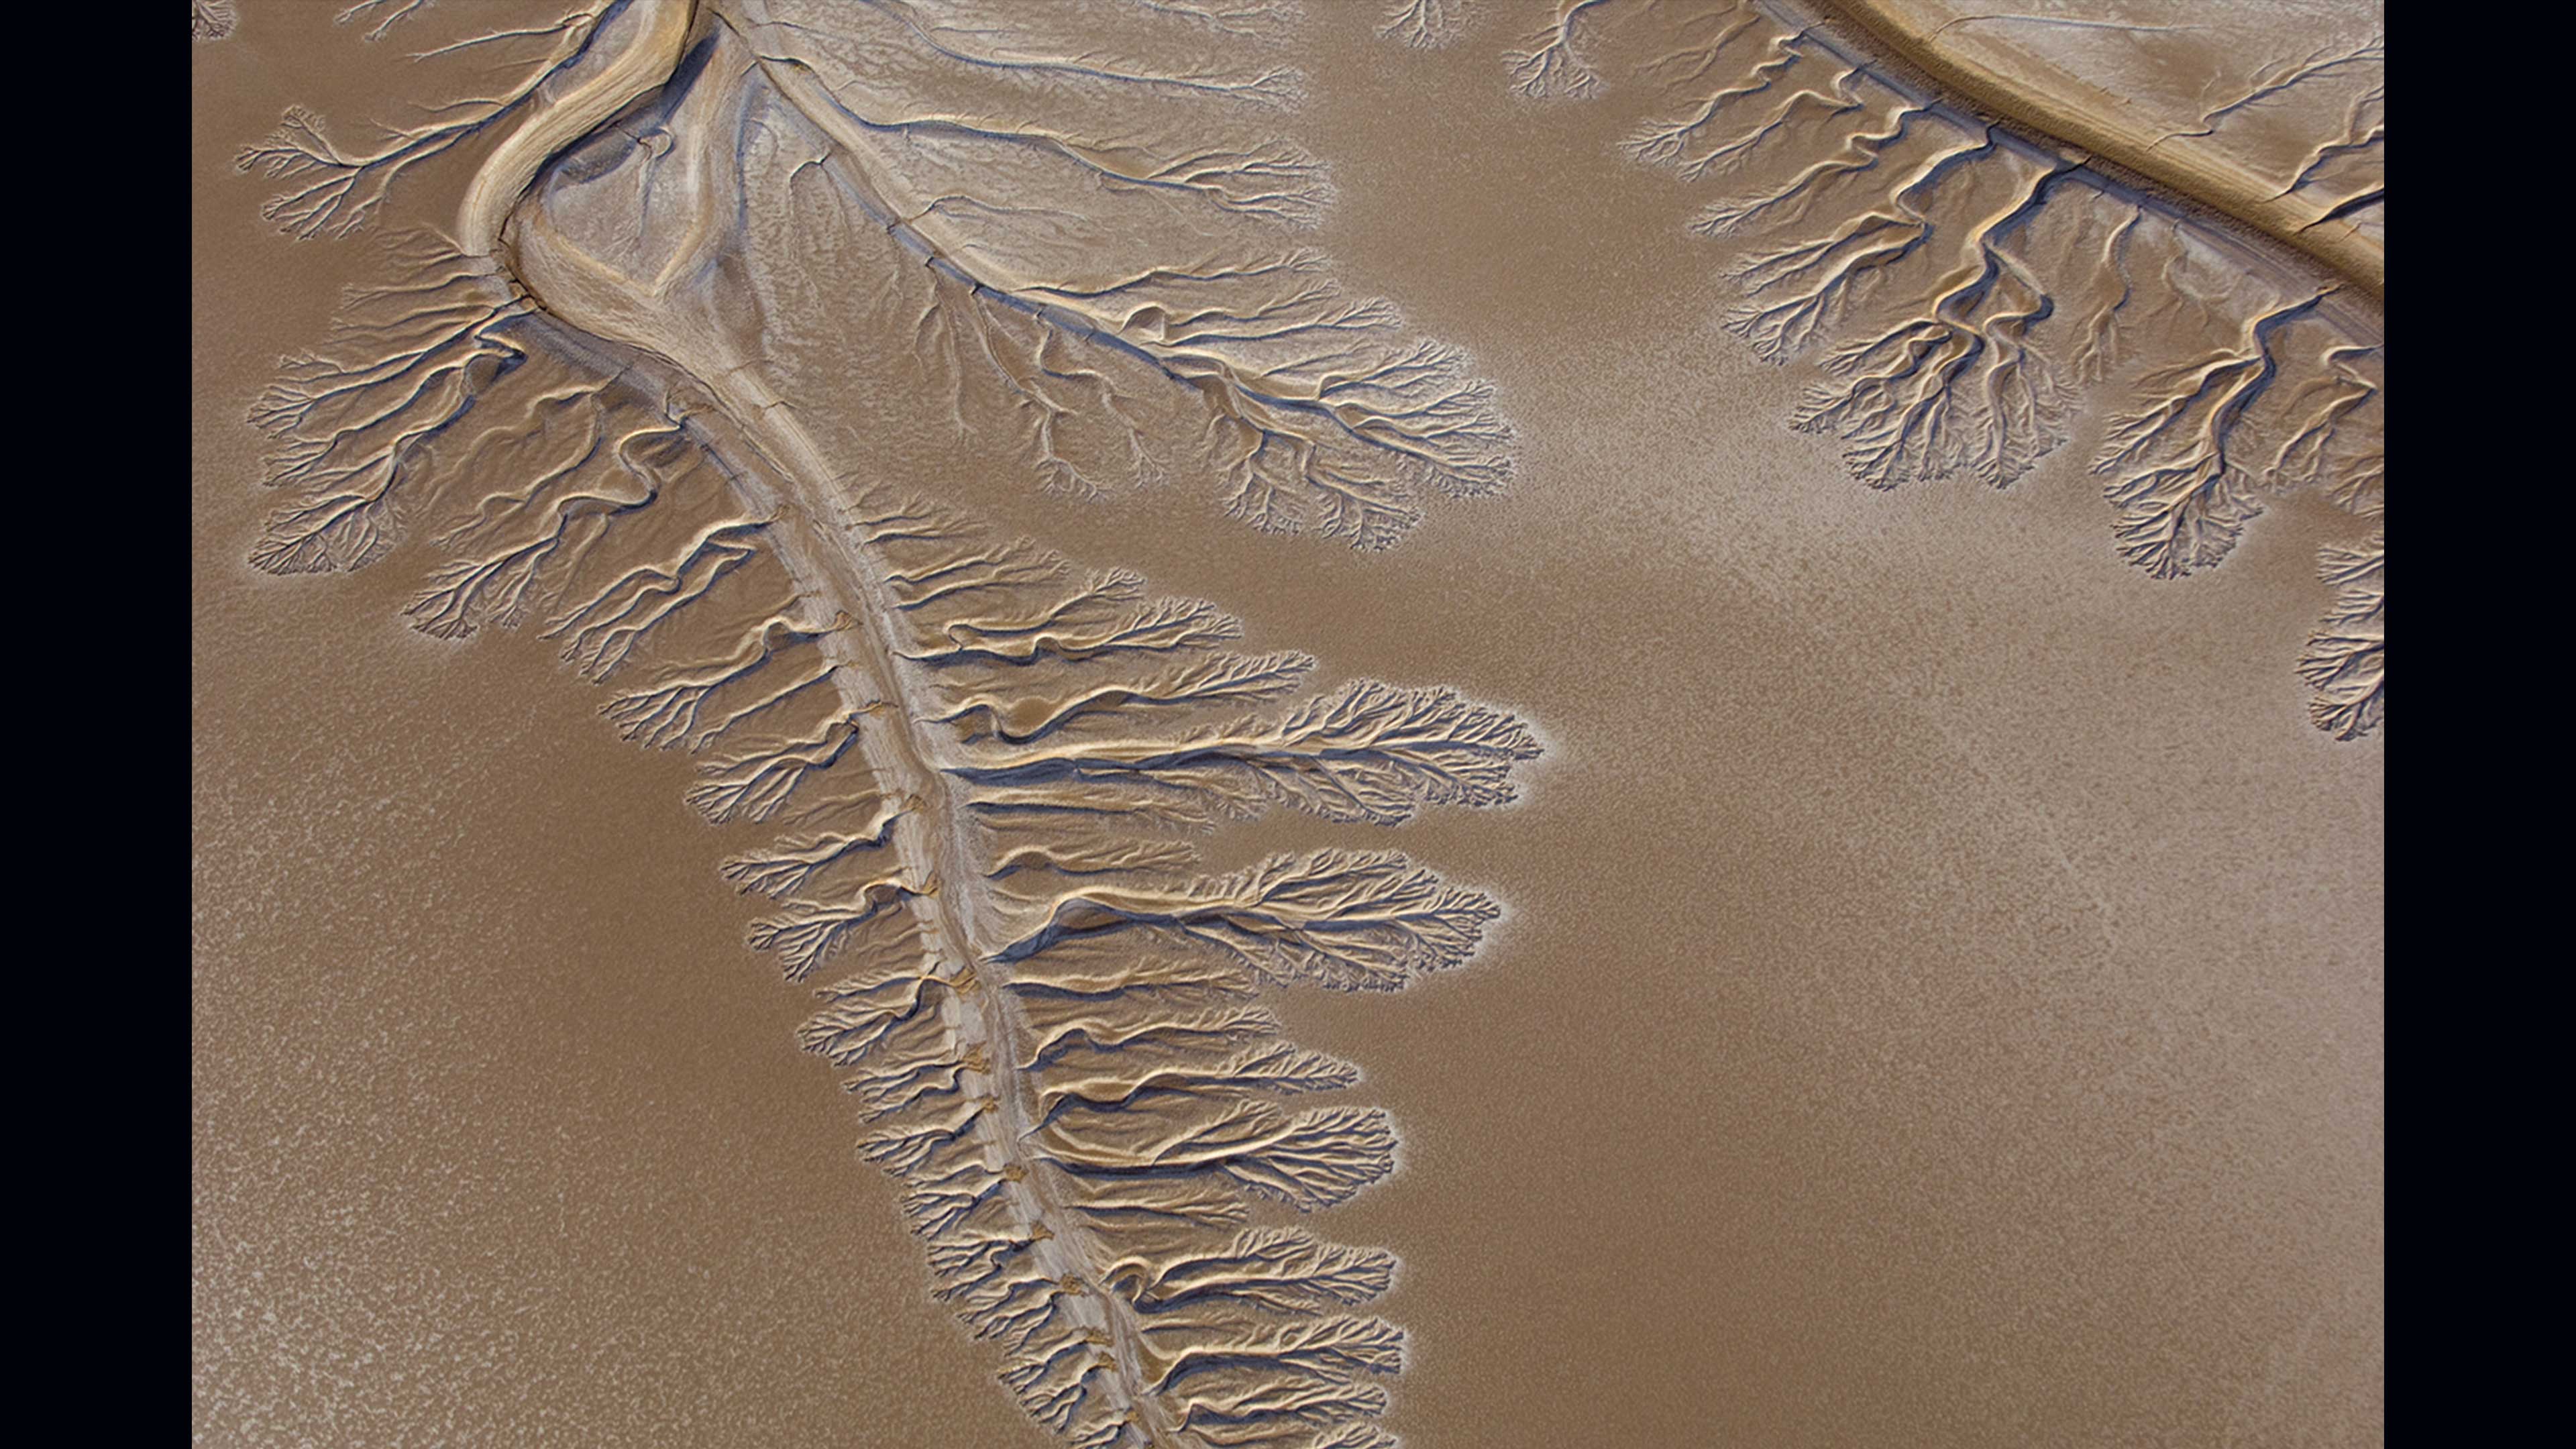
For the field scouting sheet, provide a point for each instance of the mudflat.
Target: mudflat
(1614, 731)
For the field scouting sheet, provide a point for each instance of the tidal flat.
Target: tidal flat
(1503, 742)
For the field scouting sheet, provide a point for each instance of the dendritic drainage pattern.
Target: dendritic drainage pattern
(1966, 291)
(971, 776)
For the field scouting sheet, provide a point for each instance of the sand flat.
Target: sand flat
(1935, 990)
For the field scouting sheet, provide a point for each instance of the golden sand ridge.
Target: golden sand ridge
(2278, 185)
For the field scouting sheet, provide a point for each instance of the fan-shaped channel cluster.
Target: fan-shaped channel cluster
(1967, 289)
(968, 759)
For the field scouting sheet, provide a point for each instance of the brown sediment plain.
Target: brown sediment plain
(1939, 1000)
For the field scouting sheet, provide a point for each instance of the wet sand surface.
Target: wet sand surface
(1940, 1000)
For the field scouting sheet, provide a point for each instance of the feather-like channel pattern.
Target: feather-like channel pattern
(970, 777)
(1966, 291)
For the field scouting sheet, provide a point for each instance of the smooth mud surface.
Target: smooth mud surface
(1381, 845)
